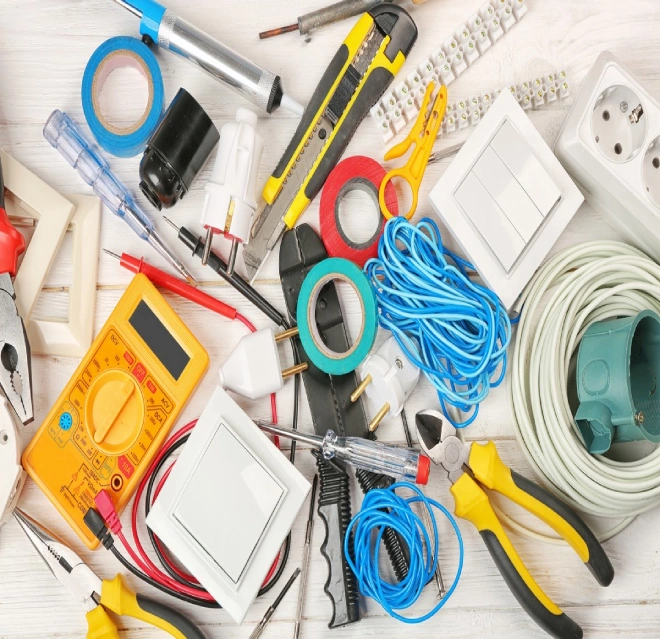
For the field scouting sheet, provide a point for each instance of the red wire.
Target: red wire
(141, 558)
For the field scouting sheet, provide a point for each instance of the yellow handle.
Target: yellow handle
(494, 474)
(473, 505)
(118, 598)
(100, 626)
(422, 135)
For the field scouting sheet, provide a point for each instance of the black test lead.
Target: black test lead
(271, 609)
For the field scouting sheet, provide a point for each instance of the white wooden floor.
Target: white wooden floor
(44, 46)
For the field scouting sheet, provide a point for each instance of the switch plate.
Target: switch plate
(506, 198)
(228, 504)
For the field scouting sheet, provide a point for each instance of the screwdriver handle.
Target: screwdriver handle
(401, 463)
(175, 285)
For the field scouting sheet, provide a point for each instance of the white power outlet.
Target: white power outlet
(610, 144)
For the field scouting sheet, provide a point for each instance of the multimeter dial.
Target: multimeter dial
(114, 411)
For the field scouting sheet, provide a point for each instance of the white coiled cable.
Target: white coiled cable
(583, 284)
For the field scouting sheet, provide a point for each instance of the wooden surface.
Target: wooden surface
(44, 46)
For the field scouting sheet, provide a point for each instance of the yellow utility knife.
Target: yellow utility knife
(102, 596)
(360, 72)
(471, 467)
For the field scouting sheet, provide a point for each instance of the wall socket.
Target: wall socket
(610, 144)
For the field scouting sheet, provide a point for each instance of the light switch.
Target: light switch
(517, 155)
(229, 526)
(509, 195)
(489, 221)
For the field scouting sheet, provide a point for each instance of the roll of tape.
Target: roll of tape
(331, 362)
(352, 174)
(113, 54)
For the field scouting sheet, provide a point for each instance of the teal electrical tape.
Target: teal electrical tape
(116, 53)
(329, 361)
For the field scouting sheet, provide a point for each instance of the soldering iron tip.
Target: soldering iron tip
(275, 32)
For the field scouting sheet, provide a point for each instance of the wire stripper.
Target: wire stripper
(360, 72)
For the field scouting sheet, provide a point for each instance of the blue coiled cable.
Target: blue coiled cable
(383, 508)
(455, 330)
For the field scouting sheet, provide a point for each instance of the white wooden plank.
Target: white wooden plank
(44, 48)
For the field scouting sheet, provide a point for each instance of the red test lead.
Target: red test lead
(174, 285)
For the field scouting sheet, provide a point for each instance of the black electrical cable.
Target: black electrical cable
(148, 500)
(152, 582)
(196, 245)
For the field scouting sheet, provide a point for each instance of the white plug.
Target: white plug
(231, 193)
(388, 378)
(12, 475)
(253, 368)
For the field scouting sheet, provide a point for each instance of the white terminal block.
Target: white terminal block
(253, 367)
(610, 144)
(506, 198)
(12, 475)
(449, 60)
(228, 505)
(393, 377)
(231, 193)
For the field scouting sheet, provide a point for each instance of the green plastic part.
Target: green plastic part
(617, 373)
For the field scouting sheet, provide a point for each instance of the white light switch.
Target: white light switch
(229, 526)
(489, 221)
(521, 161)
(509, 195)
(505, 198)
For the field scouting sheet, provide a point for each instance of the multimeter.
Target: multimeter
(118, 407)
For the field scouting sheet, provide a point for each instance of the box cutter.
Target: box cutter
(361, 70)
(471, 466)
(99, 597)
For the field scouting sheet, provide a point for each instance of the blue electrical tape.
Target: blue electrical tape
(115, 53)
(331, 362)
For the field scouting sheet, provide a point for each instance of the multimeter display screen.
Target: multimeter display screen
(159, 340)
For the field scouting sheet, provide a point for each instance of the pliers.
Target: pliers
(98, 596)
(471, 466)
(15, 363)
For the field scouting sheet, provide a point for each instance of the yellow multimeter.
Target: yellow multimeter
(118, 407)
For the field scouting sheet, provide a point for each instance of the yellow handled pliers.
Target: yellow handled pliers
(471, 466)
(422, 135)
(100, 596)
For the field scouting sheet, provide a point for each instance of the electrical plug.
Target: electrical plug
(231, 193)
(388, 378)
(253, 368)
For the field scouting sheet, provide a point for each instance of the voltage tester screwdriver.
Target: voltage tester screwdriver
(169, 31)
(401, 463)
(63, 134)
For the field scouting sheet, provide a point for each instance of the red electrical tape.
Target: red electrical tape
(365, 174)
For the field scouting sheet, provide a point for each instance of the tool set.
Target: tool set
(217, 497)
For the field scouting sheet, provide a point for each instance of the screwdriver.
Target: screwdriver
(64, 134)
(259, 628)
(305, 564)
(387, 459)
(174, 285)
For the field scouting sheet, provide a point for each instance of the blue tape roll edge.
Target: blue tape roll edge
(335, 268)
(108, 57)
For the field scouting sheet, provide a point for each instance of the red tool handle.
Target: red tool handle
(159, 278)
(12, 244)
